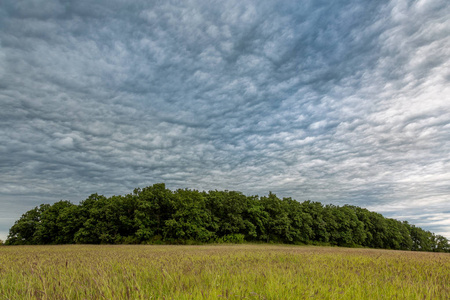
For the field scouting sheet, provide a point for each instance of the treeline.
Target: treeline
(155, 215)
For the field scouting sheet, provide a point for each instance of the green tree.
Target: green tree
(301, 222)
(278, 224)
(190, 221)
(421, 239)
(405, 240)
(155, 206)
(23, 231)
(442, 244)
(257, 219)
(230, 213)
(344, 226)
(378, 230)
(319, 221)
(90, 214)
(49, 229)
(156, 214)
(364, 216)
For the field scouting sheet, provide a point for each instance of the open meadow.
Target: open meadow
(220, 272)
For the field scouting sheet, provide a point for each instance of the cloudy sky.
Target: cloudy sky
(344, 102)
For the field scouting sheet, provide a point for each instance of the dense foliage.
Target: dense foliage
(158, 215)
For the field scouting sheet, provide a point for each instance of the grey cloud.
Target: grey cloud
(341, 102)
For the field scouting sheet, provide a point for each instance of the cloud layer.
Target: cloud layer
(344, 102)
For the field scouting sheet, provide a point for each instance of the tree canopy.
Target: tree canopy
(156, 214)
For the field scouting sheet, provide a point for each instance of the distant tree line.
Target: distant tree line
(155, 215)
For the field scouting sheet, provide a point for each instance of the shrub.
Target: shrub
(235, 238)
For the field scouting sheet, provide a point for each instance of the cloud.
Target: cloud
(341, 102)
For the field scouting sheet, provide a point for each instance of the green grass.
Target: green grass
(220, 272)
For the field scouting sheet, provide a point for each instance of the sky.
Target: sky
(343, 102)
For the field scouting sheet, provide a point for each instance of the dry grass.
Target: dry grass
(220, 272)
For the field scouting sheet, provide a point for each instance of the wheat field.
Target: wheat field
(220, 272)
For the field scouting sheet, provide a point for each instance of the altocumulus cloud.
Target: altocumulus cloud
(344, 102)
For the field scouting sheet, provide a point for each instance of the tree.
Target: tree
(344, 226)
(319, 224)
(301, 222)
(155, 214)
(406, 241)
(51, 227)
(23, 231)
(442, 244)
(378, 230)
(278, 224)
(257, 219)
(230, 213)
(155, 207)
(421, 239)
(90, 214)
(190, 220)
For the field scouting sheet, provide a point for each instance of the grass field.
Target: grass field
(220, 272)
